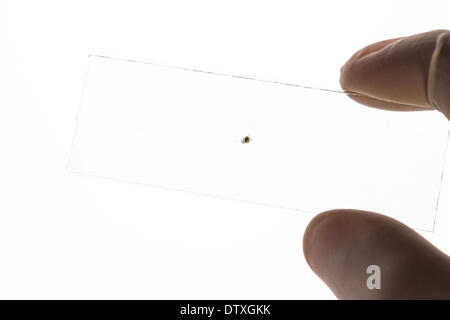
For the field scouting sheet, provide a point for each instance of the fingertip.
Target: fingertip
(323, 233)
(349, 79)
(339, 245)
(395, 73)
(311, 233)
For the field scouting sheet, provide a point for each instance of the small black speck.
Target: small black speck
(246, 140)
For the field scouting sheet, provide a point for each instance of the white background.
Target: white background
(66, 236)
